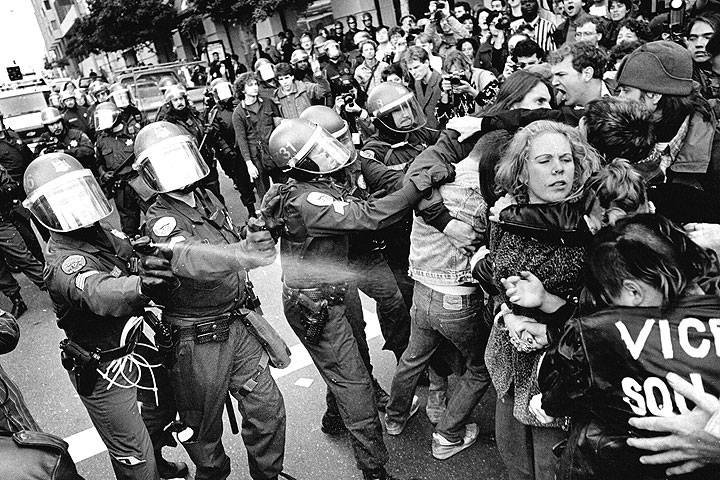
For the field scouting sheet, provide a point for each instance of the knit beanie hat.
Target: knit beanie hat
(659, 67)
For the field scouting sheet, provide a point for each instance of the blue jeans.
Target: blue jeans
(435, 317)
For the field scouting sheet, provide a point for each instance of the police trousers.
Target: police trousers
(338, 360)
(14, 250)
(115, 414)
(376, 280)
(201, 377)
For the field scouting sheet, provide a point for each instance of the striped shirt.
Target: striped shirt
(543, 32)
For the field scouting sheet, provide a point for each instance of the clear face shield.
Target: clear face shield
(121, 98)
(345, 137)
(105, 119)
(70, 202)
(266, 72)
(322, 149)
(172, 164)
(405, 112)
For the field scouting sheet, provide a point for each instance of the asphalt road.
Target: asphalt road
(310, 454)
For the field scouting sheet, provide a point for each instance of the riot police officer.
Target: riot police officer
(401, 135)
(76, 116)
(60, 137)
(130, 115)
(183, 114)
(211, 309)
(12, 247)
(220, 123)
(15, 156)
(100, 91)
(97, 301)
(114, 153)
(318, 214)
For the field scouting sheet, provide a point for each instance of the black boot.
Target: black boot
(170, 470)
(332, 424)
(380, 474)
(381, 396)
(19, 306)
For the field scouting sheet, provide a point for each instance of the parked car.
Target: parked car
(144, 85)
(21, 109)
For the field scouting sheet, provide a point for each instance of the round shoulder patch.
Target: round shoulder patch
(320, 199)
(164, 226)
(369, 154)
(73, 264)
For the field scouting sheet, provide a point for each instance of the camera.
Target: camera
(454, 78)
(503, 23)
(349, 99)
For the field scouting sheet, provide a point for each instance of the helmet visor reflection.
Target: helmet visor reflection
(223, 91)
(104, 119)
(172, 164)
(70, 202)
(324, 151)
(121, 98)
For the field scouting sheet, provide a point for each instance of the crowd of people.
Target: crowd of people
(528, 192)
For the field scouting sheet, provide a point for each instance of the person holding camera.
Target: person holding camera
(445, 25)
(369, 72)
(461, 85)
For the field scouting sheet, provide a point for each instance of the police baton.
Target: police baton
(231, 414)
(211, 119)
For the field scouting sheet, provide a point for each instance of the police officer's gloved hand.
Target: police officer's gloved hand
(156, 278)
(270, 210)
(258, 250)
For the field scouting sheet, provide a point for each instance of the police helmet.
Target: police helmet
(173, 92)
(221, 89)
(165, 82)
(67, 94)
(62, 194)
(106, 116)
(50, 115)
(168, 158)
(395, 107)
(54, 99)
(329, 119)
(301, 145)
(98, 88)
(120, 95)
(298, 56)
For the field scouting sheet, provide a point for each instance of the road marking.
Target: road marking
(87, 444)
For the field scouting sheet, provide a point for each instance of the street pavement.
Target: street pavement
(310, 454)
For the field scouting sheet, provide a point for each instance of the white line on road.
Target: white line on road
(87, 444)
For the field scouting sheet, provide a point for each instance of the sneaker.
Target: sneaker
(396, 428)
(381, 396)
(443, 448)
(436, 405)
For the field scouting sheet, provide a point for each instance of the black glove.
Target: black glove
(157, 278)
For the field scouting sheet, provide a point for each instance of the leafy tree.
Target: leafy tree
(122, 24)
(244, 12)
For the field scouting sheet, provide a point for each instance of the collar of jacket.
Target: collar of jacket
(696, 151)
(169, 203)
(562, 222)
(298, 89)
(70, 242)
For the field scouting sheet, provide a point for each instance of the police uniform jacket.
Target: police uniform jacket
(112, 151)
(10, 190)
(318, 216)
(79, 118)
(611, 366)
(212, 280)
(74, 143)
(91, 289)
(15, 156)
(222, 126)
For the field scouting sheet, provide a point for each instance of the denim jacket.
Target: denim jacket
(433, 259)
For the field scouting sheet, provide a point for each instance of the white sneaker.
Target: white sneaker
(442, 448)
(396, 428)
